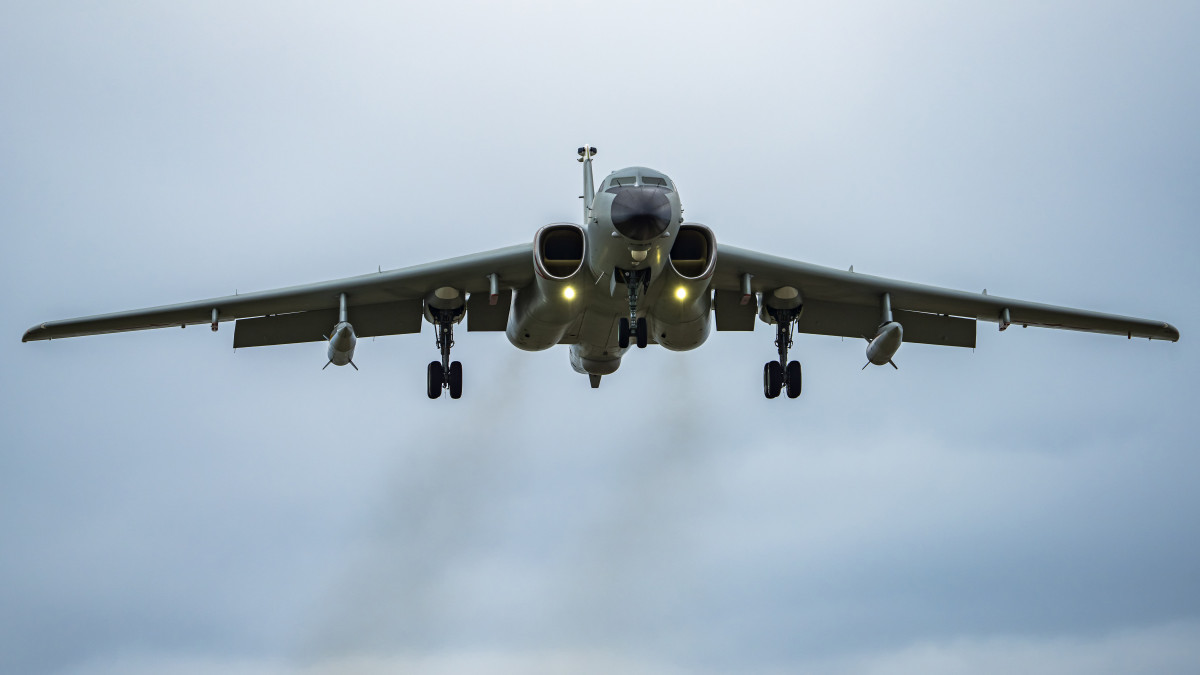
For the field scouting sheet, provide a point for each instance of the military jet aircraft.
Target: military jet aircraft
(633, 274)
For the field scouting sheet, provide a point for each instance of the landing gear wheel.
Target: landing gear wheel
(642, 335)
(454, 379)
(772, 379)
(781, 373)
(445, 374)
(433, 379)
(793, 379)
(623, 333)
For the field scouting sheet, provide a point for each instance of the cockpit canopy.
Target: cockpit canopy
(640, 202)
(637, 176)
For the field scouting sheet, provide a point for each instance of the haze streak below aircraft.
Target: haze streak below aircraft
(635, 273)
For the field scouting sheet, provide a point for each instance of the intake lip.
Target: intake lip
(640, 212)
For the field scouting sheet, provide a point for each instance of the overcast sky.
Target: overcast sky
(170, 506)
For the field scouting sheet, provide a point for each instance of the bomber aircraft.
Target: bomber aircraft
(633, 274)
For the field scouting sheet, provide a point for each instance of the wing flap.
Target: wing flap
(483, 316)
(732, 314)
(389, 318)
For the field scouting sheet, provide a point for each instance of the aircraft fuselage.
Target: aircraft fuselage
(634, 238)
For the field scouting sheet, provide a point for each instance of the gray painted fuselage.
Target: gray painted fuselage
(589, 304)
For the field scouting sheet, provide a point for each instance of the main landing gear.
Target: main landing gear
(444, 374)
(781, 374)
(634, 326)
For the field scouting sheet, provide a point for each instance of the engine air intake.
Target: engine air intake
(692, 252)
(560, 250)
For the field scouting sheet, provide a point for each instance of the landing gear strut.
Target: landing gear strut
(444, 374)
(781, 374)
(634, 326)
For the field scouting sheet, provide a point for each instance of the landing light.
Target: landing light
(681, 292)
(569, 293)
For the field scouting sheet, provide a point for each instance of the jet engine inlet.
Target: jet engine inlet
(680, 317)
(694, 252)
(559, 251)
(543, 311)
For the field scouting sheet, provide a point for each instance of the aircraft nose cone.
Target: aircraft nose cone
(641, 212)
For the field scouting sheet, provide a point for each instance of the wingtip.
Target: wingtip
(1172, 332)
(31, 334)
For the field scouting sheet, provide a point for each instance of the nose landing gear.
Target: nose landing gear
(634, 326)
(444, 374)
(782, 374)
(638, 332)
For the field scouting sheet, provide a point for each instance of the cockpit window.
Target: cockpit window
(654, 180)
(624, 180)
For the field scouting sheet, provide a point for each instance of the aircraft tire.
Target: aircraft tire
(772, 379)
(623, 333)
(642, 333)
(455, 379)
(433, 379)
(793, 379)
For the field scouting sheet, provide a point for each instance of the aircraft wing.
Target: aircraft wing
(385, 303)
(838, 302)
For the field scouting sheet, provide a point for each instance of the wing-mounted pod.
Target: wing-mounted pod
(680, 316)
(342, 339)
(543, 311)
(888, 337)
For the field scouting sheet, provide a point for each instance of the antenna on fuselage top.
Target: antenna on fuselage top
(586, 153)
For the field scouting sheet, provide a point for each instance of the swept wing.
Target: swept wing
(839, 302)
(385, 303)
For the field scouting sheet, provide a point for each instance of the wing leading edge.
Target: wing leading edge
(839, 292)
(837, 303)
(292, 314)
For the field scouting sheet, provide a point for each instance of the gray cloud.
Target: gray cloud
(168, 505)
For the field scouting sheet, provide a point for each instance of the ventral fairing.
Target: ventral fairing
(633, 274)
